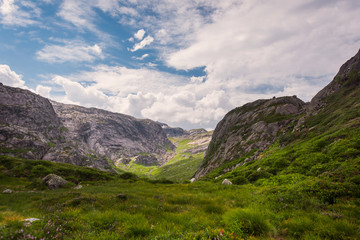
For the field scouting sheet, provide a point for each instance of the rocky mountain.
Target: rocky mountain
(34, 127)
(247, 131)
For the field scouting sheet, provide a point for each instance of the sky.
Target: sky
(185, 63)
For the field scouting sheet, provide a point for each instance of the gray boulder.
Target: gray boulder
(7, 191)
(53, 181)
(226, 182)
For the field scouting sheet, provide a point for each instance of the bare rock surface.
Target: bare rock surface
(33, 127)
(53, 181)
(255, 125)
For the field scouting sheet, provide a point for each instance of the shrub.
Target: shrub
(297, 227)
(239, 180)
(128, 175)
(247, 222)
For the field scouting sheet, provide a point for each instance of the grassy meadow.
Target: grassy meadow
(112, 206)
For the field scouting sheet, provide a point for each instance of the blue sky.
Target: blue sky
(185, 63)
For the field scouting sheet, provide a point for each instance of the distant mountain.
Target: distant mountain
(246, 133)
(34, 127)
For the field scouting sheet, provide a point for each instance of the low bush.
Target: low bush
(247, 222)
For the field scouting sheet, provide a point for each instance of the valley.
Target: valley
(294, 169)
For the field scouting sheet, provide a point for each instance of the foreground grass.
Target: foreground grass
(150, 210)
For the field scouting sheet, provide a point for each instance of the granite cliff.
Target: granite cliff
(34, 127)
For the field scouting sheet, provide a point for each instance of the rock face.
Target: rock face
(113, 135)
(27, 123)
(53, 181)
(33, 127)
(250, 129)
(252, 126)
(347, 76)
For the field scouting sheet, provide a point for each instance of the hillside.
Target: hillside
(317, 143)
(33, 127)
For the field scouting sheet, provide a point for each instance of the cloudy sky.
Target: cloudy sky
(185, 63)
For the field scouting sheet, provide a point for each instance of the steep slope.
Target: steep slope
(33, 127)
(252, 127)
(116, 136)
(246, 140)
(27, 123)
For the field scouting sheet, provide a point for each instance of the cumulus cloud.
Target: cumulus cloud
(258, 44)
(146, 41)
(73, 51)
(139, 35)
(20, 14)
(43, 91)
(10, 78)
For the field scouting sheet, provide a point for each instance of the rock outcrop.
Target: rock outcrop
(253, 126)
(53, 181)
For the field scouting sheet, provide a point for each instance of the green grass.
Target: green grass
(150, 210)
(180, 168)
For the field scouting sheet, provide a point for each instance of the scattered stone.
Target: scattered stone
(29, 221)
(53, 181)
(192, 180)
(8, 191)
(226, 182)
(78, 187)
(121, 196)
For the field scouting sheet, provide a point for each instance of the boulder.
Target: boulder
(7, 191)
(226, 182)
(53, 181)
(192, 180)
(121, 196)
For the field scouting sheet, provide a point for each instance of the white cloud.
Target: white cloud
(76, 93)
(139, 35)
(258, 44)
(21, 14)
(10, 78)
(73, 51)
(197, 79)
(145, 42)
(43, 91)
(142, 57)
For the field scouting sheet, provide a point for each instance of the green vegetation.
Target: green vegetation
(127, 207)
(178, 169)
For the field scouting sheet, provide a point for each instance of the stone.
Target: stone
(8, 191)
(192, 180)
(121, 196)
(53, 181)
(78, 187)
(259, 169)
(29, 221)
(226, 182)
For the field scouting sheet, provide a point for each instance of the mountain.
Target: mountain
(248, 133)
(34, 127)
(181, 163)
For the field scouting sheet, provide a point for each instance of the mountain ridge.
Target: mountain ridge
(34, 127)
(247, 131)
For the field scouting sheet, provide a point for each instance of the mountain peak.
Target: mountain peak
(347, 77)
